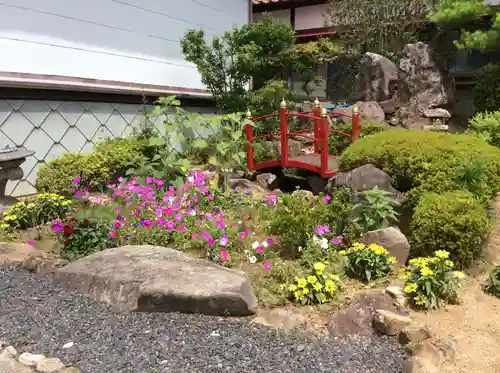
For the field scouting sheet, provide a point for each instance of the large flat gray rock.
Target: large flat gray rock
(159, 279)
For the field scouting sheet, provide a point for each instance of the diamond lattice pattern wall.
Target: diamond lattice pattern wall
(52, 128)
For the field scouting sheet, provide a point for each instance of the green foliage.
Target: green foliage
(430, 281)
(470, 175)
(375, 211)
(81, 237)
(378, 26)
(423, 161)
(487, 95)
(452, 14)
(454, 221)
(338, 143)
(493, 283)
(296, 217)
(110, 160)
(367, 263)
(317, 288)
(27, 214)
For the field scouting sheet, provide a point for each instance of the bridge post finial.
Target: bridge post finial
(316, 103)
(355, 109)
(283, 103)
(248, 114)
(323, 113)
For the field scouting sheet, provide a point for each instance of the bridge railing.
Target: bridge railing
(320, 128)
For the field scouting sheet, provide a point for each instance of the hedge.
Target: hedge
(110, 159)
(454, 221)
(338, 143)
(428, 161)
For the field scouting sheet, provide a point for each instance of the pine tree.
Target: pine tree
(464, 14)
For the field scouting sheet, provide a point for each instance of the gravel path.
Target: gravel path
(37, 317)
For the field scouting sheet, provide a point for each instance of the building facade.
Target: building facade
(74, 72)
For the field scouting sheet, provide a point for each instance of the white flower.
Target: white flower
(264, 243)
(323, 243)
(299, 248)
(190, 179)
(255, 245)
(252, 259)
(315, 238)
(192, 213)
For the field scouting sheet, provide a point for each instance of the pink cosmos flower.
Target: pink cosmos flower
(30, 242)
(205, 235)
(267, 266)
(113, 235)
(224, 240)
(223, 255)
(57, 226)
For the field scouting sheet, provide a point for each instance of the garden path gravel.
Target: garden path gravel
(37, 317)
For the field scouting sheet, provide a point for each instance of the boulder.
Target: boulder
(377, 79)
(159, 279)
(280, 318)
(357, 318)
(246, 186)
(360, 179)
(417, 364)
(267, 180)
(368, 110)
(400, 298)
(390, 323)
(423, 84)
(414, 334)
(392, 240)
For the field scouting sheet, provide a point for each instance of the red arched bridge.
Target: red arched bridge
(319, 161)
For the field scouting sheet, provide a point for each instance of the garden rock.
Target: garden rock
(30, 360)
(280, 318)
(49, 365)
(414, 334)
(360, 179)
(15, 253)
(8, 364)
(246, 186)
(428, 351)
(390, 323)
(377, 78)
(267, 180)
(357, 318)
(400, 298)
(159, 279)
(371, 110)
(423, 84)
(392, 240)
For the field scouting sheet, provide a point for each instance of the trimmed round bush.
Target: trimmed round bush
(454, 221)
(338, 143)
(109, 160)
(487, 89)
(428, 161)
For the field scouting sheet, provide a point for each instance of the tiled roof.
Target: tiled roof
(257, 2)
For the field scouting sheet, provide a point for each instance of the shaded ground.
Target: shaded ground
(474, 325)
(37, 317)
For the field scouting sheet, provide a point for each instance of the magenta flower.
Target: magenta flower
(220, 224)
(30, 242)
(211, 242)
(181, 228)
(243, 235)
(260, 249)
(267, 266)
(223, 255)
(269, 241)
(76, 180)
(195, 236)
(57, 226)
(322, 230)
(205, 235)
(338, 240)
(113, 235)
(224, 240)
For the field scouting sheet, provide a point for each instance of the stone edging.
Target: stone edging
(31, 362)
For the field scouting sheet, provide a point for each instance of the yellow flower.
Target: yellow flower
(426, 271)
(301, 282)
(312, 279)
(459, 275)
(292, 288)
(330, 286)
(323, 298)
(4, 226)
(297, 294)
(410, 287)
(30, 205)
(305, 291)
(449, 263)
(317, 286)
(419, 300)
(319, 268)
(343, 252)
(391, 260)
(441, 254)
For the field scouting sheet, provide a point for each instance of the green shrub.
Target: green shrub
(487, 125)
(454, 221)
(431, 280)
(487, 89)
(109, 160)
(338, 143)
(427, 161)
(493, 283)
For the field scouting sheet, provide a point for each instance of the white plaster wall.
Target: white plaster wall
(136, 41)
(308, 17)
(280, 15)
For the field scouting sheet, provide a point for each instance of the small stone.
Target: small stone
(49, 365)
(10, 350)
(418, 365)
(396, 292)
(301, 348)
(30, 360)
(426, 350)
(68, 345)
(389, 323)
(414, 334)
(70, 370)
